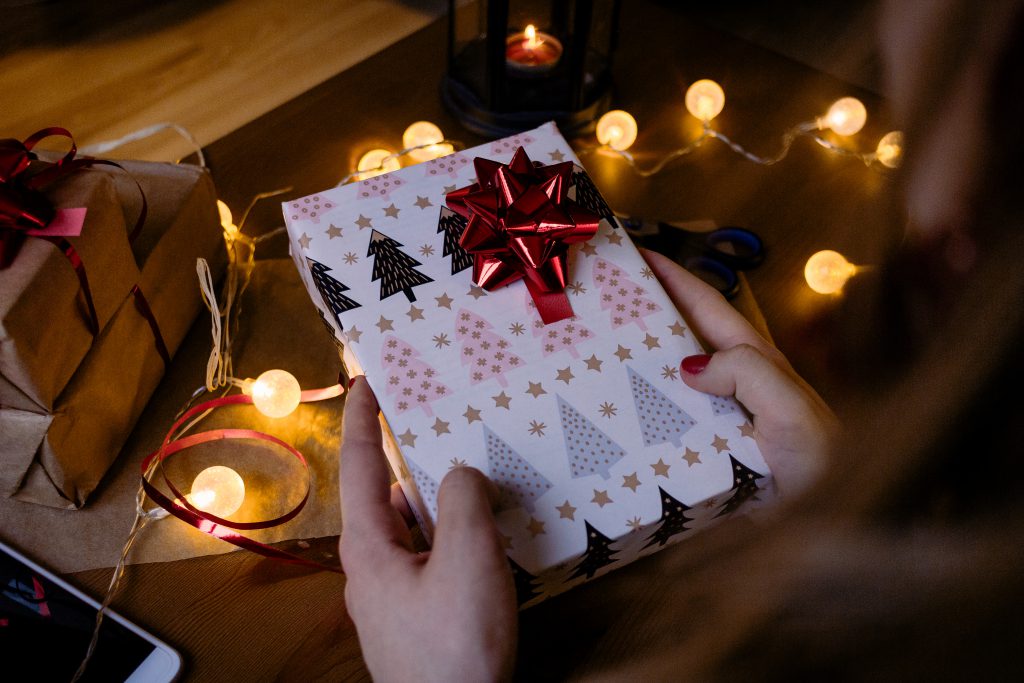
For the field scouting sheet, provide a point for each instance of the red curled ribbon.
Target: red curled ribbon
(521, 223)
(211, 524)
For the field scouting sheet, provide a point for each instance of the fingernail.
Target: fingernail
(694, 365)
(352, 381)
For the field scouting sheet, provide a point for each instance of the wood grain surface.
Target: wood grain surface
(238, 617)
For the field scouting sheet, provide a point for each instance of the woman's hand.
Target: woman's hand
(446, 615)
(792, 425)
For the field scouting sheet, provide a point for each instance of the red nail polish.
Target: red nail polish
(694, 365)
(352, 381)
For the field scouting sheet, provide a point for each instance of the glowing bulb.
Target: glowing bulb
(846, 116)
(425, 133)
(827, 271)
(218, 490)
(890, 149)
(227, 221)
(275, 393)
(616, 129)
(705, 99)
(369, 163)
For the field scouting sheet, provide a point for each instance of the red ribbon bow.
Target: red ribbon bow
(521, 223)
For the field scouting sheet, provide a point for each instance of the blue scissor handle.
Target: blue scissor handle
(747, 248)
(724, 278)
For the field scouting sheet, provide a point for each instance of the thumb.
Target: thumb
(465, 521)
(765, 390)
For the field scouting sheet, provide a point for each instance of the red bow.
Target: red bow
(521, 223)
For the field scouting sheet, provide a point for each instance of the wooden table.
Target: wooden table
(239, 617)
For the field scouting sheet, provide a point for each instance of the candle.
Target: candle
(532, 51)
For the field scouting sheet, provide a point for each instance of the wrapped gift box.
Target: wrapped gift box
(68, 400)
(601, 453)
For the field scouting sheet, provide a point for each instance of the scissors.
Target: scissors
(714, 256)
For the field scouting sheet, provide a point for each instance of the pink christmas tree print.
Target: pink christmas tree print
(564, 334)
(378, 187)
(511, 144)
(518, 482)
(624, 298)
(411, 381)
(486, 353)
(448, 165)
(309, 208)
(590, 451)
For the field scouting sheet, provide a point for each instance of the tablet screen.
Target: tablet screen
(45, 631)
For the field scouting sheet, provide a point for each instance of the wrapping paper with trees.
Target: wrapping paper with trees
(601, 453)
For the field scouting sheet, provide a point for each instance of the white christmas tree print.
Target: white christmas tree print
(589, 450)
(624, 298)
(519, 483)
(565, 334)
(411, 381)
(723, 405)
(426, 486)
(486, 353)
(661, 420)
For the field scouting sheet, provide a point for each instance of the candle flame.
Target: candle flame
(531, 37)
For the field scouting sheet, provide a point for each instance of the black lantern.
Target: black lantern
(513, 65)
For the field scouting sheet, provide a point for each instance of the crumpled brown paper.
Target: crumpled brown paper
(279, 328)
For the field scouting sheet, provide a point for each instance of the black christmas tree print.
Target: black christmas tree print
(452, 225)
(519, 484)
(526, 583)
(330, 329)
(744, 486)
(331, 290)
(599, 554)
(661, 420)
(588, 197)
(673, 519)
(590, 451)
(395, 269)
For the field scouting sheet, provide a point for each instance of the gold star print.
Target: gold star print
(747, 429)
(669, 372)
(444, 301)
(660, 468)
(517, 328)
(537, 428)
(647, 273)
(354, 334)
(384, 325)
(557, 156)
(472, 415)
(351, 257)
(577, 288)
(407, 438)
(630, 481)
(476, 292)
(565, 375)
(566, 511)
(624, 354)
(392, 211)
(535, 527)
(305, 240)
(720, 444)
(535, 389)
(426, 250)
(502, 400)
(363, 222)
(601, 498)
(710, 503)
(614, 238)
(456, 462)
(403, 470)
(422, 202)
(333, 231)
(588, 249)
(651, 342)
(593, 363)
(677, 329)
(634, 524)
(691, 457)
(441, 340)
(414, 313)
(440, 427)
(449, 188)
(608, 409)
